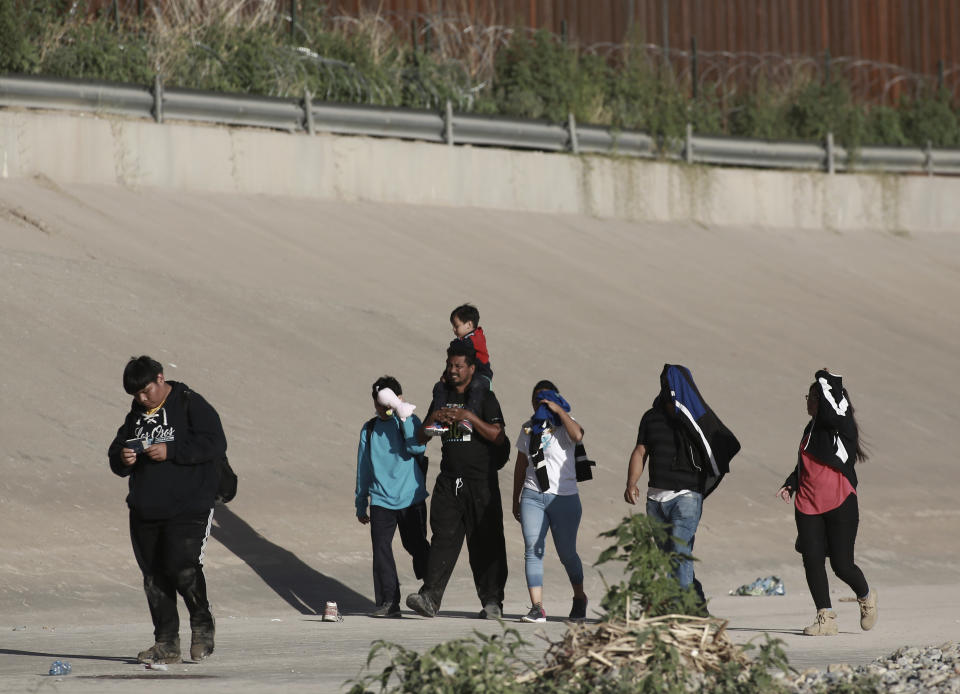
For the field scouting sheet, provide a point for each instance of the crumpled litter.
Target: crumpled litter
(771, 585)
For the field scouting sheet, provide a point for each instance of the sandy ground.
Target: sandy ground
(282, 312)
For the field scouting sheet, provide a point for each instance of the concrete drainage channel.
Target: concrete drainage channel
(146, 676)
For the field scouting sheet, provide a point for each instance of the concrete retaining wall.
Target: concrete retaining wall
(83, 148)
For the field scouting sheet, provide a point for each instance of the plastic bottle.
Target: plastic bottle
(60, 667)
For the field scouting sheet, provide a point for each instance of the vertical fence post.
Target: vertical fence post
(308, 110)
(116, 13)
(928, 163)
(140, 9)
(940, 75)
(563, 31)
(413, 35)
(826, 66)
(573, 143)
(688, 145)
(448, 123)
(293, 18)
(157, 99)
(666, 32)
(831, 166)
(694, 77)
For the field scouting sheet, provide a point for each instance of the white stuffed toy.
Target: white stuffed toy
(387, 398)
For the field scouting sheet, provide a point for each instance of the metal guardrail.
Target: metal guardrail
(307, 115)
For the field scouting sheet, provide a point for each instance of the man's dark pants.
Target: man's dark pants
(412, 522)
(468, 508)
(170, 555)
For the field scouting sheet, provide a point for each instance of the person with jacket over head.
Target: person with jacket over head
(689, 450)
(168, 447)
(824, 483)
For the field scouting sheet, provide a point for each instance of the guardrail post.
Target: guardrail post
(688, 145)
(831, 166)
(928, 162)
(157, 99)
(572, 142)
(308, 110)
(448, 123)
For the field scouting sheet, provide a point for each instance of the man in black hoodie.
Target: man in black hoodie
(168, 446)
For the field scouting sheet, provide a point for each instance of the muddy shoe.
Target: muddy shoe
(201, 644)
(826, 624)
(161, 653)
(422, 605)
(868, 610)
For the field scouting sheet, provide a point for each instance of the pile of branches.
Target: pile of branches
(630, 647)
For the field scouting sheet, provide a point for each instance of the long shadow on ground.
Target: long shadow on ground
(302, 586)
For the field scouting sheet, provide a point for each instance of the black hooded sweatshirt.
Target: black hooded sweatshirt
(186, 482)
(831, 436)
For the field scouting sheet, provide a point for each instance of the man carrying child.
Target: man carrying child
(466, 497)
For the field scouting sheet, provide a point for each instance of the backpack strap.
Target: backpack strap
(368, 428)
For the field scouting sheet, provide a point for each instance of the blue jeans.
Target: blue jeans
(561, 514)
(682, 513)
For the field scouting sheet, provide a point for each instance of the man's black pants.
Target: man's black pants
(170, 554)
(412, 522)
(467, 508)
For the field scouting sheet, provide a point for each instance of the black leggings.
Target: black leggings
(833, 533)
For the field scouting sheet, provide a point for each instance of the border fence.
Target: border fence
(882, 50)
(310, 116)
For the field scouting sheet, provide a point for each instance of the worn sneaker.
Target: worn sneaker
(826, 624)
(421, 604)
(535, 615)
(578, 612)
(491, 610)
(387, 610)
(162, 652)
(466, 427)
(331, 613)
(435, 429)
(201, 644)
(868, 610)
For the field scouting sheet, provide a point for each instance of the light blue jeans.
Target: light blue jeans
(561, 514)
(682, 513)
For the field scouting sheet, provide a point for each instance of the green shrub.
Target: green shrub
(649, 587)
(819, 109)
(17, 53)
(929, 118)
(884, 127)
(479, 664)
(542, 78)
(96, 50)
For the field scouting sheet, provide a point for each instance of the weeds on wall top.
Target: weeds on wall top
(248, 47)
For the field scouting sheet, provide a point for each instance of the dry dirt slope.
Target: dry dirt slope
(282, 312)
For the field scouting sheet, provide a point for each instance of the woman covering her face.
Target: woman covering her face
(824, 486)
(545, 495)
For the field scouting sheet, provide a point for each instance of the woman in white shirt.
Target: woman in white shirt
(545, 495)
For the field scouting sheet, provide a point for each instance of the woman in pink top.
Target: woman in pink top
(827, 514)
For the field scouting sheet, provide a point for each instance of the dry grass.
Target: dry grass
(609, 648)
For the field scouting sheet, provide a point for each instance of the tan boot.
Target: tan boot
(826, 624)
(868, 610)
